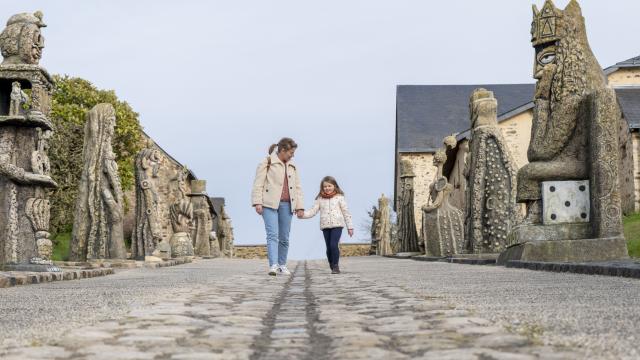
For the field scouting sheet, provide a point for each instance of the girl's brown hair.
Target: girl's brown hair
(283, 145)
(331, 180)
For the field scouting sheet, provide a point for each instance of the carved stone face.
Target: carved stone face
(544, 68)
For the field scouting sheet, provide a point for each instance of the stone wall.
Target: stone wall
(250, 251)
(260, 251)
(517, 133)
(624, 76)
(354, 249)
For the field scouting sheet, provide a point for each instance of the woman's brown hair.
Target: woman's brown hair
(331, 180)
(283, 145)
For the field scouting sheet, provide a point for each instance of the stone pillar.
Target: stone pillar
(97, 227)
(442, 223)
(407, 233)
(25, 129)
(491, 209)
(202, 220)
(146, 232)
(384, 227)
(225, 233)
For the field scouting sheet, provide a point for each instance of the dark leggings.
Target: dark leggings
(332, 238)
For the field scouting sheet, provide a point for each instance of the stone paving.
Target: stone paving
(230, 309)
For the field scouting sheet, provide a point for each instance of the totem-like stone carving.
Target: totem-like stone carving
(375, 222)
(39, 159)
(383, 232)
(202, 220)
(24, 210)
(407, 232)
(97, 225)
(38, 212)
(146, 233)
(225, 233)
(21, 42)
(181, 215)
(573, 138)
(442, 223)
(491, 194)
(18, 98)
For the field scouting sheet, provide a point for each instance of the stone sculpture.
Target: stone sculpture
(146, 233)
(375, 222)
(202, 220)
(23, 135)
(21, 42)
(573, 149)
(225, 233)
(181, 215)
(407, 232)
(491, 209)
(383, 233)
(442, 223)
(18, 98)
(97, 227)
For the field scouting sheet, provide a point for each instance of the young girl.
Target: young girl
(334, 215)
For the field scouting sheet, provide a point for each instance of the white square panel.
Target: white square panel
(565, 202)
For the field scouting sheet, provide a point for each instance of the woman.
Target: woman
(276, 195)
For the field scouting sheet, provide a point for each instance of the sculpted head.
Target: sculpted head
(21, 42)
(564, 64)
(483, 108)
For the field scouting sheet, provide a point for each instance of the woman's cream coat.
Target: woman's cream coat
(267, 186)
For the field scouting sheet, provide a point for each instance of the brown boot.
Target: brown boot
(336, 269)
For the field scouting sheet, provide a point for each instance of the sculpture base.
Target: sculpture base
(32, 268)
(574, 250)
(406, 254)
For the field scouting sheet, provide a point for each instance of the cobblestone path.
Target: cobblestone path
(236, 311)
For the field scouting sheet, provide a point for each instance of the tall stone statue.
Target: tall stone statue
(202, 220)
(24, 132)
(383, 232)
(146, 233)
(570, 184)
(375, 221)
(407, 232)
(181, 216)
(442, 223)
(491, 209)
(225, 233)
(97, 226)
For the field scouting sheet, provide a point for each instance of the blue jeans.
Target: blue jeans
(331, 239)
(277, 223)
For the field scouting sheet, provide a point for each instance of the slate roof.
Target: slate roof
(633, 62)
(629, 100)
(425, 114)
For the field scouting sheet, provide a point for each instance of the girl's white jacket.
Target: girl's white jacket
(333, 212)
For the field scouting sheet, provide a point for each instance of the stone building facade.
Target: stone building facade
(426, 114)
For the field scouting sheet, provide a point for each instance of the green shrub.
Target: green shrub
(632, 234)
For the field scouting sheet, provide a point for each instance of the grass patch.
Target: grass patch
(61, 247)
(632, 233)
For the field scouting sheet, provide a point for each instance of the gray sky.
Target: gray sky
(216, 82)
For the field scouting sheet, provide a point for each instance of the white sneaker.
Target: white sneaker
(273, 270)
(283, 270)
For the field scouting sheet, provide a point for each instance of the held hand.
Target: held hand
(350, 231)
(259, 209)
(300, 214)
